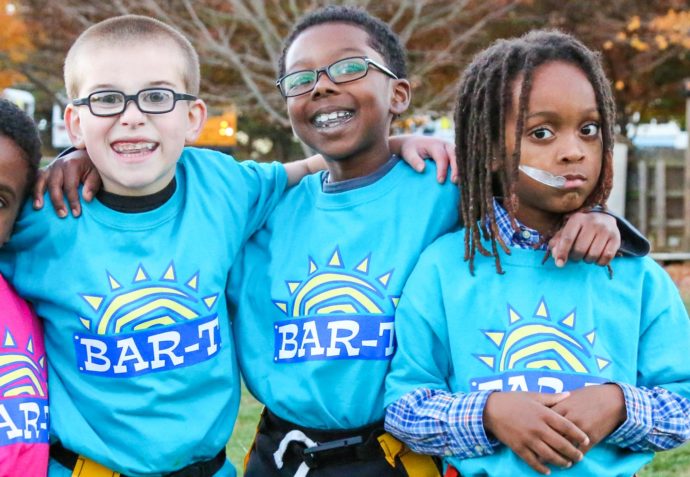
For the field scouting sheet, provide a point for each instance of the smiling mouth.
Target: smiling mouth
(133, 148)
(332, 119)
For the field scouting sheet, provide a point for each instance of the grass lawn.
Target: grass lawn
(674, 463)
(245, 428)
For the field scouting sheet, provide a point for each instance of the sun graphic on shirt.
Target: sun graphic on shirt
(540, 343)
(332, 288)
(146, 302)
(21, 370)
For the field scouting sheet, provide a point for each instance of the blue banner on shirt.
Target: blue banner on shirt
(149, 351)
(23, 420)
(535, 381)
(336, 336)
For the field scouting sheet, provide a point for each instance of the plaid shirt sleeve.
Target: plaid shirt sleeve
(436, 422)
(658, 420)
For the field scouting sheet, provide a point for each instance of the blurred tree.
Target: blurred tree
(15, 44)
(649, 58)
(645, 47)
(240, 42)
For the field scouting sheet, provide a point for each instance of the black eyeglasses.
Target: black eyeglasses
(342, 71)
(149, 100)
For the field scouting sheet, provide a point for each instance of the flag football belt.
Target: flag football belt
(319, 448)
(402, 457)
(84, 467)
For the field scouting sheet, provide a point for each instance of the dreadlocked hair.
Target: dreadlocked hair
(484, 99)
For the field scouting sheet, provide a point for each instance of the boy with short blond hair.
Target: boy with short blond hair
(143, 374)
(118, 32)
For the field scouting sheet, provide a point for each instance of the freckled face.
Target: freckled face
(561, 136)
(13, 171)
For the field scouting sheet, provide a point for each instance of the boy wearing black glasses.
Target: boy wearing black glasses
(317, 286)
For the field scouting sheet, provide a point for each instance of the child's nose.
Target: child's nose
(132, 114)
(323, 85)
(572, 149)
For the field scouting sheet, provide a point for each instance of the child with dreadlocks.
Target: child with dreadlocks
(511, 366)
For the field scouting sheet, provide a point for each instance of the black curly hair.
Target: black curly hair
(20, 128)
(482, 106)
(381, 37)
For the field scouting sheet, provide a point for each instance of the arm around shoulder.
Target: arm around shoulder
(296, 170)
(633, 243)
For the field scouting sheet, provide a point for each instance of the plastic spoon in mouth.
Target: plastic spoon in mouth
(544, 177)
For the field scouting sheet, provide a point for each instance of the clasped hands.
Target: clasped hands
(554, 429)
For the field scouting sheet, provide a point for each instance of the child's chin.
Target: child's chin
(572, 206)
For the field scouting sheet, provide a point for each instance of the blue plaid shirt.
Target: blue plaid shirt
(436, 422)
(524, 237)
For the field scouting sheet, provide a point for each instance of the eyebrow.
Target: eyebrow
(111, 87)
(8, 190)
(554, 114)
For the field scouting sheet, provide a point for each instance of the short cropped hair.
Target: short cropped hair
(17, 126)
(381, 37)
(125, 29)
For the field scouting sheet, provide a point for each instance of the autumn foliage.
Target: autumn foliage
(649, 57)
(15, 44)
(645, 46)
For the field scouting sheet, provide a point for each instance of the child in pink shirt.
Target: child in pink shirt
(23, 376)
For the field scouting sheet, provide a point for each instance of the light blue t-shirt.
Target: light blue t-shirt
(318, 287)
(542, 329)
(142, 371)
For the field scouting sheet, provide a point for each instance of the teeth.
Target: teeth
(129, 147)
(323, 118)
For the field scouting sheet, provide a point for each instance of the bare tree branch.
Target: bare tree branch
(240, 41)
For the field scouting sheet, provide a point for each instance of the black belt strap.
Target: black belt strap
(336, 447)
(206, 468)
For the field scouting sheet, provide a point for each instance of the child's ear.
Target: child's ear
(400, 96)
(196, 117)
(73, 126)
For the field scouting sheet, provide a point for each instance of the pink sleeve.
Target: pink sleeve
(23, 389)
